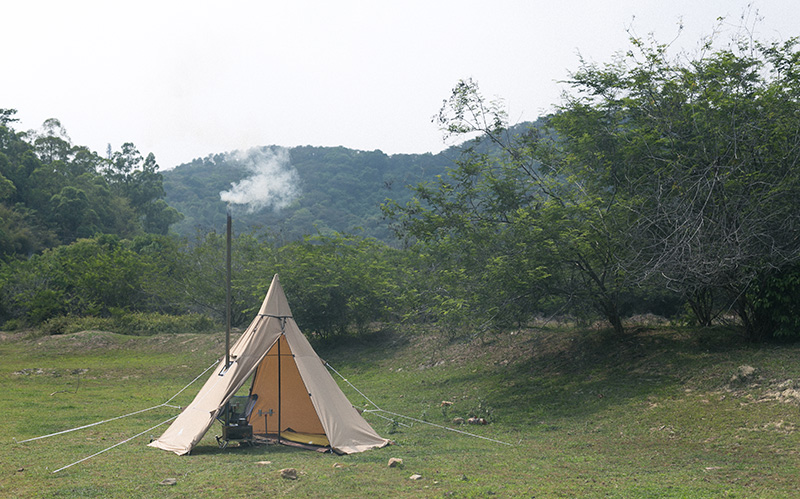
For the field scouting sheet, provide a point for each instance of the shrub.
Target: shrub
(138, 324)
(145, 324)
(68, 324)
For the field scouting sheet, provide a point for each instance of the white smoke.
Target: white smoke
(273, 180)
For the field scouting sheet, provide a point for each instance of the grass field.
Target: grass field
(660, 413)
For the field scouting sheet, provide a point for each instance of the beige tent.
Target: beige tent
(293, 396)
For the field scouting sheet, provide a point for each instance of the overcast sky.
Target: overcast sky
(184, 79)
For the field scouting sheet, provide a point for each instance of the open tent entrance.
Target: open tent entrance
(282, 406)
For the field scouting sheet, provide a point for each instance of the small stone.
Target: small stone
(743, 374)
(289, 473)
(415, 477)
(169, 481)
(263, 463)
(395, 462)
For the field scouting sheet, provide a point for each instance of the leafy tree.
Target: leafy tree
(89, 277)
(200, 276)
(73, 212)
(699, 156)
(100, 276)
(511, 233)
(656, 171)
(164, 268)
(53, 144)
(338, 281)
(7, 116)
(159, 217)
(54, 192)
(773, 298)
(137, 179)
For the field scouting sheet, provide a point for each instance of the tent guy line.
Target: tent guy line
(115, 445)
(165, 404)
(378, 409)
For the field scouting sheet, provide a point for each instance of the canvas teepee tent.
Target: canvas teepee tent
(292, 396)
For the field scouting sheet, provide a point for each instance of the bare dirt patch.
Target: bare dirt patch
(81, 341)
(4, 336)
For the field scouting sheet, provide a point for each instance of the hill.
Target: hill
(297, 191)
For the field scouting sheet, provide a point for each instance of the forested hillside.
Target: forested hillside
(53, 192)
(321, 189)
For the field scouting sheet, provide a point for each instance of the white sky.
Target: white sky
(184, 79)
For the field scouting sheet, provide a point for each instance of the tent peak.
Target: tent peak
(275, 303)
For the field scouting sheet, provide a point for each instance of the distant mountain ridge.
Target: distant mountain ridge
(338, 189)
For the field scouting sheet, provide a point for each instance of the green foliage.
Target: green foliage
(340, 190)
(698, 158)
(53, 192)
(656, 173)
(340, 281)
(88, 277)
(774, 297)
(508, 239)
(146, 324)
(335, 283)
(94, 277)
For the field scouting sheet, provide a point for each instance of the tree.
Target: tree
(7, 116)
(137, 179)
(74, 213)
(336, 282)
(678, 172)
(511, 233)
(700, 155)
(88, 277)
(52, 143)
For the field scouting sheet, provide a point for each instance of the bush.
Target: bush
(69, 324)
(774, 299)
(145, 324)
(138, 324)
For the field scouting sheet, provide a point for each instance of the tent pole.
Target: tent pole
(279, 382)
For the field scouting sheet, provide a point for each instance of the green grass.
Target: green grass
(654, 414)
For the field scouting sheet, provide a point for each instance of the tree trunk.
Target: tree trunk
(611, 312)
(701, 302)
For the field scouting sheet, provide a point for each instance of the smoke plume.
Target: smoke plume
(273, 181)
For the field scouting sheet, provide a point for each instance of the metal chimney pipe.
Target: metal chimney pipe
(228, 295)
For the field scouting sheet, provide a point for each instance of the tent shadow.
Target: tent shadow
(210, 448)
